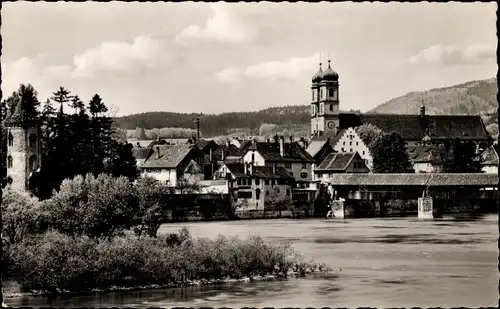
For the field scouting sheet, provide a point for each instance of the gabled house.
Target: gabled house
(140, 154)
(346, 140)
(423, 158)
(489, 160)
(291, 156)
(227, 153)
(257, 187)
(343, 162)
(318, 150)
(174, 165)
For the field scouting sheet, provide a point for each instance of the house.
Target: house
(347, 140)
(423, 158)
(342, 162)
(174, 165)
(257, 187)
(319, 150)
(227, 153)
(140, 154)
(291, 156)
(208, 147)
(489, 160)
(239, 142)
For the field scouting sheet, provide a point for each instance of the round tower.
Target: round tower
(22, 135)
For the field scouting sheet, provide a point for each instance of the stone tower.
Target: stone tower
(325, 102)
(23, 160)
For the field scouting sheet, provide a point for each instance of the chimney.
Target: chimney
(282, 146)
(274, 168)
(157, 152)
(268, 140)
(245, 168)
(422, 109)
(222, 156)
(210, 155)
(197, 129)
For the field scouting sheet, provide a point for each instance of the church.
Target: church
(327, 122)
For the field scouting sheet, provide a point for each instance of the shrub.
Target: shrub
(54, 261)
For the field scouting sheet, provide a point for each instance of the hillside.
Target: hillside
(474, 97)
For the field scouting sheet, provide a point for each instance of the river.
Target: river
(394, 262)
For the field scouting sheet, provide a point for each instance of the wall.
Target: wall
(424, 167)
(490, 169)
(269, 194)
(351, 142)
(352, 169)
(165, 176)
(258, 159)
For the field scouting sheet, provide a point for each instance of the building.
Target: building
(342, 162)
(290, 156)
(140, 154)
(327, 120)
(423, 158)
(346, 140)
(490, 160)
(318, 150)
(257, 187)
(22, 150)
(174, 165)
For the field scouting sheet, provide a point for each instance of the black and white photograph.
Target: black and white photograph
(249, 154)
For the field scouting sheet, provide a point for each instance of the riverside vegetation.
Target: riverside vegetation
(100, 233)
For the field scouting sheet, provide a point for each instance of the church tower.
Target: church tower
(23, 159)
(325, 103)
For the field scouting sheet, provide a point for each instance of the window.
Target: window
(239, 181)
(342, 150)
(363, 152)
(350, 150)
(313, 95)
(267, 182)
(257, 194)
(304, 165)
(32, 163)
(330, 92)
(288, 192)
(303, 175)
(288, 165)
(331, 107)
(343, 143)
(11, 139)
(278, 190)
(357, 143)
(272, 182)
(244, 194)
(321, 94)
(253, 157)
(350, 143)
(32, 141)
(9, 162)
(257, 181)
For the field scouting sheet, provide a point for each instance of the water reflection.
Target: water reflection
(385, 263)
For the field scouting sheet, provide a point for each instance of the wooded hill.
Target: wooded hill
(475, 97)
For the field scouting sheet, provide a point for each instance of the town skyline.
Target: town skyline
(220, 57)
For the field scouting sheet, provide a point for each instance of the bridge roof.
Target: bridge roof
(433, 180)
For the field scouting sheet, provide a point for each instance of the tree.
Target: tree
(492, 129)
(140, 134)
(20, 215)
(121, 161)
(151, 199)
(22, 103)
(389, 154)
(368, 133)
(99, 207)
(458, 156)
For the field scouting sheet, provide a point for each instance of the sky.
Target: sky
(224, 57)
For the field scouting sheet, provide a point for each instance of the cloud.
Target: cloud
(224, 26)
(288, 70)
(145, 52)
(453, 55)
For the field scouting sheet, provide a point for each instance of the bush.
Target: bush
(54, 261)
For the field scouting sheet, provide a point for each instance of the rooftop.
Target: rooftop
(170, 156)
(238, 170)
(410, 179)
(337, 161)
(293, 152)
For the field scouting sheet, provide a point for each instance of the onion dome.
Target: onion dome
(330, 75)
(318, 76)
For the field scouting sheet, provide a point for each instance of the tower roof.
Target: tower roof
(318, 76)
(329, 74)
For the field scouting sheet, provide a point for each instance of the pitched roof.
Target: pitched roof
(292, 152)
(315, 147)
(337, 161)
(238, 170)
(413, 127)
(140, 153)
(410, 179)
(170, 156)
(331, 136)
(229, 151)
(422, 154)
(202, 144)
(490, 156)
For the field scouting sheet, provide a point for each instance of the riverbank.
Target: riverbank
(12, 289)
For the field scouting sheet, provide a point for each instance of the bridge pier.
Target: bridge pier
(340, 210)
(425, 208)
